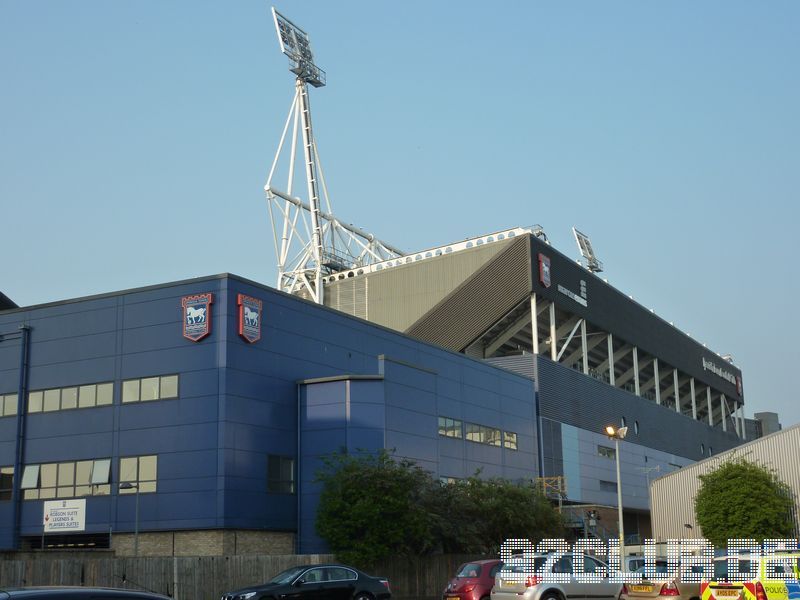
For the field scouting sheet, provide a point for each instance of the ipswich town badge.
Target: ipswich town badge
(249, 318)
(544, 270)
(197, 316)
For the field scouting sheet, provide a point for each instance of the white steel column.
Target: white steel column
(741, 420)
(708, 402)
(677, 390)
(584, 348)
(658, 381)
(636, 389)
(694, 400)
(553, 342)
(722, 412)
(611, 368)
(534, 325)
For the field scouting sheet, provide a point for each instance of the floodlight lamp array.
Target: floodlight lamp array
(296, 45)
(586, 250)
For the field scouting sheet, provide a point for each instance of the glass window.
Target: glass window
(35, 402)
(608, 486)
(69, 398)
(169, 386)
(83, 474)
(48, 475)
(510, 439)
(66, 480)
(6, 482)
(101, 470)
(87, 396)
(30, 477)
(149, 389)
(314, 576)
(450, 427)
(141, 471)
(470, 570)
(9, 405)
(130, 390)
(473, 433)
(52, 400)
(493, 436)
(339, 574)
(128, 469)
(606, 452)
(105, 394)
(280, 474)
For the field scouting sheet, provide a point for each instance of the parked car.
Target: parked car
(530, 587)
(317, 582)
(755, 581)
(665, 583)
(76, 593)
(473, 581)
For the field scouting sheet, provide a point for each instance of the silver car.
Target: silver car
(507, 585)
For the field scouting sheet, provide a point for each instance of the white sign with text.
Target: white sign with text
(64, 515)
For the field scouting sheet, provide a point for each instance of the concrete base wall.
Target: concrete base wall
(215, 542)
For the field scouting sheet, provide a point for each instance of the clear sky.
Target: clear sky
(135, 140)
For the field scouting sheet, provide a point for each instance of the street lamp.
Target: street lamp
(127, 485)
(617, 435)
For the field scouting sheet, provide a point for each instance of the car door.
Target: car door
(574, 590)
(310, 586)
(340, 583)
(604, 590)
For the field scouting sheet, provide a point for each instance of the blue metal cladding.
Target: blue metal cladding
(237, 402)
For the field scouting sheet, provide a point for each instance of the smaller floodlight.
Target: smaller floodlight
(611, 431)
(296, 45)
(617, 434)
(585, 247)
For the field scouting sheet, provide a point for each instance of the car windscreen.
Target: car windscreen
(287, 576)
(470, 570)
(524, 566)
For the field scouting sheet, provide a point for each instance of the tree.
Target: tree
(741, 499)
(371, 507)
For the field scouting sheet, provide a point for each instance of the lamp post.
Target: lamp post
(127, 485)
(618, 434)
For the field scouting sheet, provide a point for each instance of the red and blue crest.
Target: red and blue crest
(197, 316)
(544, 270)
(250, 311)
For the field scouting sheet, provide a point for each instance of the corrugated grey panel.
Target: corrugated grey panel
(349, 296)
(778, 451)
(571, 397)
(522, 364)
(481, 301)
(398, 296)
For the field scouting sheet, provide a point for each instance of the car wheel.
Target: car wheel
(551, 596)
(362, 596)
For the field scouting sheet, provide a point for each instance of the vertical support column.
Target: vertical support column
(722, 412)
(553, 341)
(677, 390)
(658, 381)
(694, 400)
(584, 348)
(636, 389)
(611, 368)
(534, 325)
(741, 421)
(708, 403)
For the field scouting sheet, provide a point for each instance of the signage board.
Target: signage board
(64, 515)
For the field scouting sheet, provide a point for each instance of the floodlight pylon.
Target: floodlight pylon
(310, 243)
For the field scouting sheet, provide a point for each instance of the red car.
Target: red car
(473, 581)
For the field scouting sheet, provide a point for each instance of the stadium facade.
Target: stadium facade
(210, 402)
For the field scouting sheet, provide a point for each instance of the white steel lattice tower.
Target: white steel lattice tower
(310, 243)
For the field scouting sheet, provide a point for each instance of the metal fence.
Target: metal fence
(207, 577)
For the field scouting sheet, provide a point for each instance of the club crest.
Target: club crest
(250, 310)
(544, 270)
(197, 316)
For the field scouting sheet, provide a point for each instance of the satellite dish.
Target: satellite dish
(585, 247)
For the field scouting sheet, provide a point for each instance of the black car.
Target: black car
(75, 593)
(317, 582)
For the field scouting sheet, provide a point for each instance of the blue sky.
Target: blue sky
(135, 140)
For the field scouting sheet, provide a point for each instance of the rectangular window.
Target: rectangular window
(448, 480)
(280, 474)
(6, 482)
(139, 472)
(150, 388)
(450, 427)
(608, 486)
(510, 440)
(84, 396)
(483, 435)
(473, 433)
(8, 405)
(63, 480)
(606, 452)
